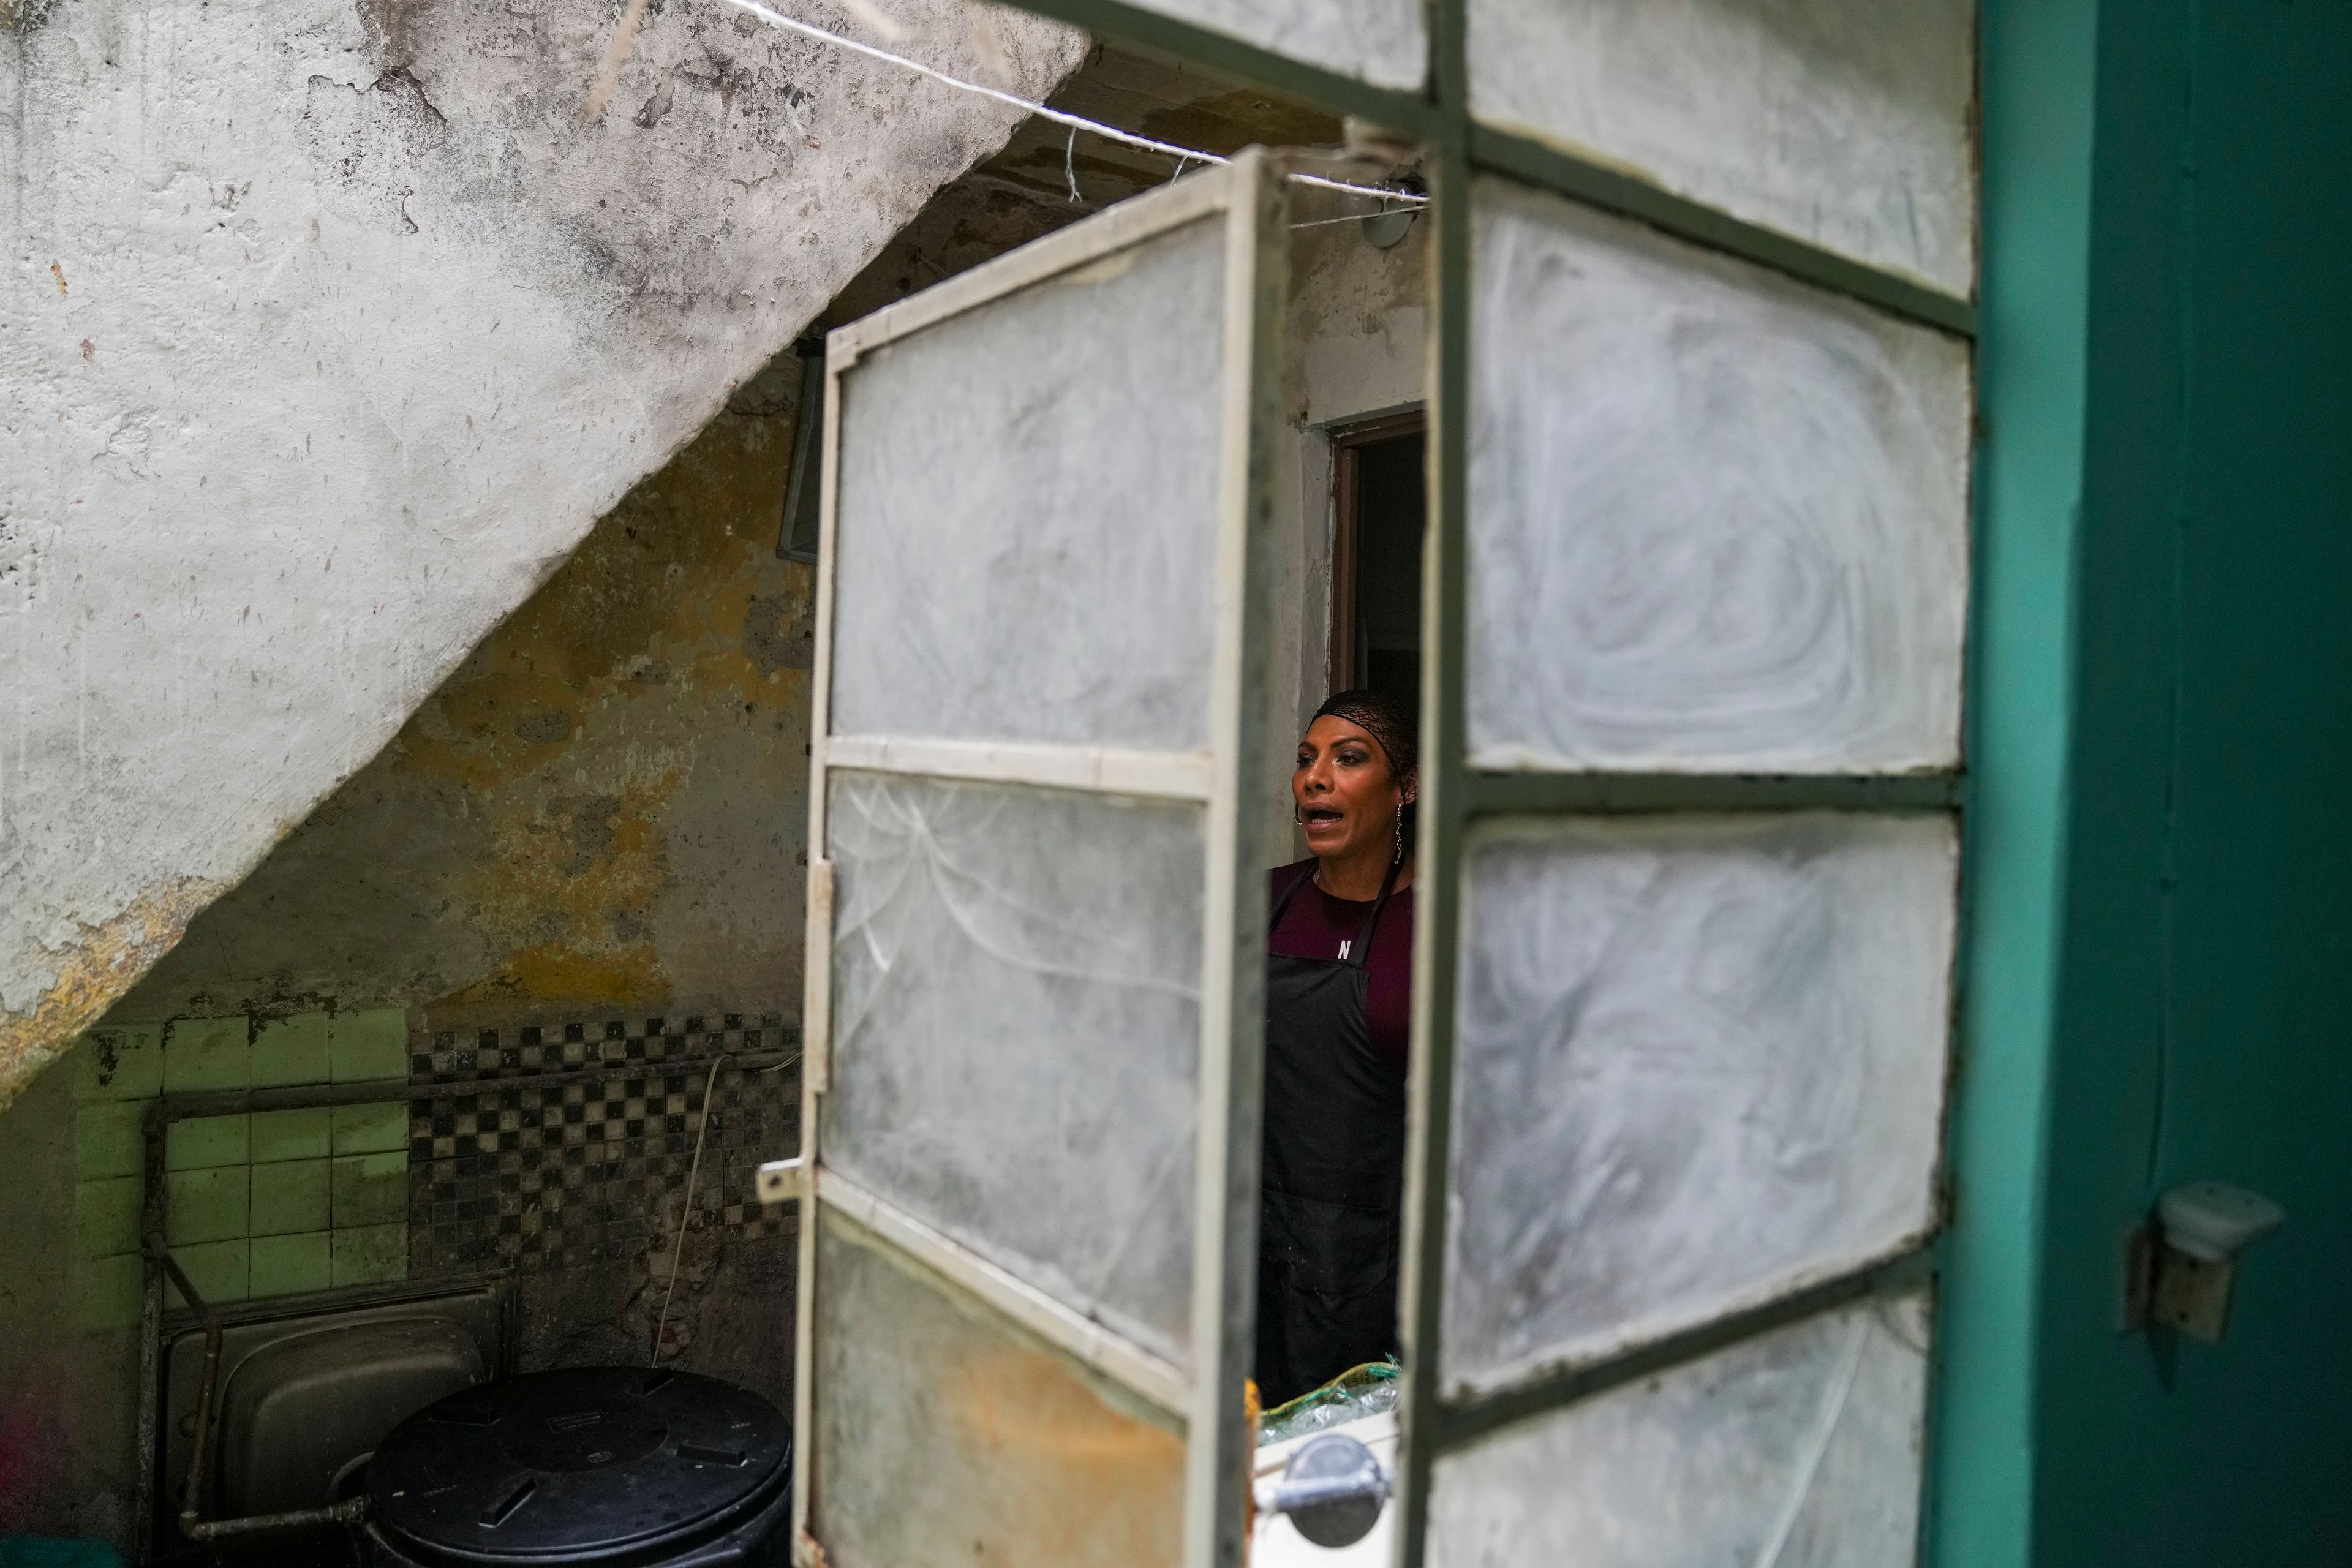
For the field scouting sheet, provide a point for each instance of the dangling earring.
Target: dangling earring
(1400, 833)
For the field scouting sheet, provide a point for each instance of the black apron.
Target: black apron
(1333, 1165)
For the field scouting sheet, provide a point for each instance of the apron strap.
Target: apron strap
(1360, 956)
(1288, 893)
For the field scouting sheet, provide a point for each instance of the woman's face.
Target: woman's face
(1347, 799)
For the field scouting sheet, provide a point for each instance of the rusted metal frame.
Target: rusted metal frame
(1595, 183)
(193, 1526)
(1493, 794)
(1197, 200)
(1232, 1001)
(1227, 56)
(239, 1101)
(151, 1328)
(816, 965)
(1459, 1423)
(384, 1091)
(1445, 797)
(1108, 769)
(1099, 1349)
(165, 1109)
(1090, 239)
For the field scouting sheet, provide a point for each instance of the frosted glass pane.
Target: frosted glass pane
(1027, 524)
(1381, 41)
(1697, 1061)
(1718, 520)
(1016, 1031)
(1797, 1449)
(1847, 122)
(944, 1436)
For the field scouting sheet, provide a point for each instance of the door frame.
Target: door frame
(1344, 670)
(1250, 196)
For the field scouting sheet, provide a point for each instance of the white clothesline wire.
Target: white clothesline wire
(1074, 121)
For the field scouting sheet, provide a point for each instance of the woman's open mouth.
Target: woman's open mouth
(1316, 817)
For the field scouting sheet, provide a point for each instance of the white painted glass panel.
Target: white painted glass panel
(1717, 519)
(1846, 123)
(1800, 1448)
(1698, 1062)
(1016, 1031)
(1381, 41)
(945, 1437)
(1027, 514)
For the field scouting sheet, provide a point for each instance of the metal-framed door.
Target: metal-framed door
(1703, 316)
(1032, 1007)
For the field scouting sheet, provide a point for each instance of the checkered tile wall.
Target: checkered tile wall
(568, 1169)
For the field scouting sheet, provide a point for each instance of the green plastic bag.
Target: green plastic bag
(1358, 1392)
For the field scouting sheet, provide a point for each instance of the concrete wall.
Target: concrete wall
(333, 328)
(598, 816)
(2163, 904)
(1356, 350)
(604, 806)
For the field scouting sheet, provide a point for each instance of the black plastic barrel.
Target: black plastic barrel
(620, 1466)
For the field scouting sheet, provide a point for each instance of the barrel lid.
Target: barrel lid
(576, 1464)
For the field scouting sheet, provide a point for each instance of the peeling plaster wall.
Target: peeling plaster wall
(601, 811)
(602, 808)
(329, 331)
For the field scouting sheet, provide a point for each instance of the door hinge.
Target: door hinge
(816, 986)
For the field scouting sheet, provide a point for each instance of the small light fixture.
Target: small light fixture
(2180, 1266)
(1385, 230)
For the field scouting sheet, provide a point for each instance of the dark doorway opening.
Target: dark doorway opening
(1381, 513)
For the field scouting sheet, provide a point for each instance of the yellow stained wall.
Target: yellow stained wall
(602, 811)
(605, 808)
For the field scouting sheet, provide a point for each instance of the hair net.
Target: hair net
(1385, 720)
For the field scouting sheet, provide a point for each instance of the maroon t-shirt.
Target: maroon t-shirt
(1315, 925)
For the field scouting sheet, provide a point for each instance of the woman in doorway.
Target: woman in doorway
(1338, 1016)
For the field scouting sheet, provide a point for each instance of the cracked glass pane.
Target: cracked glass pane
(1717, 519)
(943, 1436)
(1846, 123)
(1698, 1062)
(1016, 1031)
(1027, 514)
(1799, 1448)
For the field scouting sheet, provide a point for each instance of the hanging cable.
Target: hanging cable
(1077, 122)
(685, 1211)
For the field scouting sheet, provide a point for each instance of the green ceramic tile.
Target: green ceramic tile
(110, 1139)
(288, 1196)
(114, 1292)
(106, 1215)
(372, 1128)
(291, 1135)
(218, 1270)
(370, 1046)
(204, 1142)
(120, 1062)
(205, 1205)
(371, 1189)
(203, 1054)
(372, 1255)
(290, 1051)
(284, 1265)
